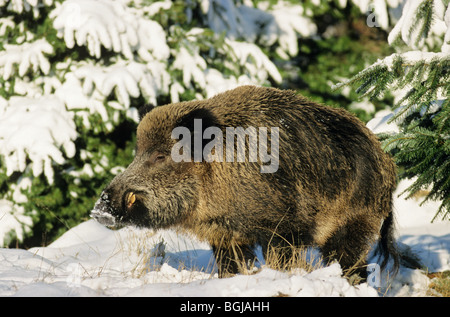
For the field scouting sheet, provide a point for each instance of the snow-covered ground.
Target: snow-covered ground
(91, 260)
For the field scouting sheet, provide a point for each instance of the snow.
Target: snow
(282, 23)
(407, 27)
(381, 123)
(91, 260)
(290, 20)
(21, 6)
(13, 218)
(408, 59)
(36, 129)
(192, 65)
(126, 79)
(251, 57)
(97, 23)
(25, 56)
(365, 105)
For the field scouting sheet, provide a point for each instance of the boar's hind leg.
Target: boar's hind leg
(349, 246)
(233, 259)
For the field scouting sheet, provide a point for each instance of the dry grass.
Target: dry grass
(440, 284)
(293, 258)
(136, 245)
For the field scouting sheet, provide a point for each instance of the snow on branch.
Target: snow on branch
(282, 23)
(152, 41)
(97, 23)
(81, 104)
(254, 61)
(25, 56)
(189, 61)
(216, 83)
(5, 24)
(14, 219)
(289, 22)
(414, 70)
(126, 78)
(396, 64)
(238, 21)
(419, 21)
(38, 130)
(21, 6)
(409, 59)
(417, 79)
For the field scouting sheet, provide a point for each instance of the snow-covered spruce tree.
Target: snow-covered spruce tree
(72, 74)
(419, 76)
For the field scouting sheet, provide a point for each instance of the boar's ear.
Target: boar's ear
(208, 119)
(143, 110)
(188, 121)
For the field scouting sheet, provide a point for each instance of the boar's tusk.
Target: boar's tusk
(130, 199)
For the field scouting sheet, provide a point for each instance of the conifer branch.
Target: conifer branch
(422, 147)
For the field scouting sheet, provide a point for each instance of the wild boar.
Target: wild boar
(319, 178)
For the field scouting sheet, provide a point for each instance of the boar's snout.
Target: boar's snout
(103, 211)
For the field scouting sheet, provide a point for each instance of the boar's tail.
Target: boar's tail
(387, 246)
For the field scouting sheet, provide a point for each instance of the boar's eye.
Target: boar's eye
(157, 157)
(160, 158)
